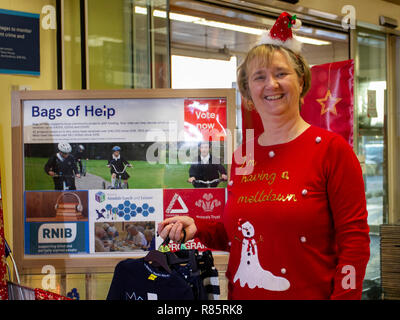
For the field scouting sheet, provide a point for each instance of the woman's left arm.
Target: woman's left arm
(347, 202)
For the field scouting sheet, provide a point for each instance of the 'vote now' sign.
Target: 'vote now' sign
(205, 119)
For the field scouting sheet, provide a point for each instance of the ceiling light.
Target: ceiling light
(332, 35)
(183, 17)
(313, 41)
(221, 25)
(322, 14)
(160, 14)
(228, 26)
(140, 10)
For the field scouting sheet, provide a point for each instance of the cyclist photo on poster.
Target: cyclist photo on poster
(98, 159)
(62, 168)
(118, 164)
(80, 159)
(208, 171)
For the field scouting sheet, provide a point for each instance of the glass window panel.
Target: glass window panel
(141, 47)
(72, 45)
(109, 44)
(128, 44)
(223, 72)
(99, 285)
(207, 31)
(210, 33)
(397, 133)
(161, 59)
(370, 99)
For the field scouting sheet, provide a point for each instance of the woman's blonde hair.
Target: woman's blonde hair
(262, 55)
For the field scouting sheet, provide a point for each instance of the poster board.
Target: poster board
(158, 131)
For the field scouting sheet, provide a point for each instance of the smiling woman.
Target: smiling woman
(275, 87)
(264, 56)
(309, 222)
(273, 80)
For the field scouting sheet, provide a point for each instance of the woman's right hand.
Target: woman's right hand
(172, 227)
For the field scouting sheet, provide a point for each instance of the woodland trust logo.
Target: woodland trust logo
(208, 203)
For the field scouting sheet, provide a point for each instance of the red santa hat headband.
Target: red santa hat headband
(281, 33)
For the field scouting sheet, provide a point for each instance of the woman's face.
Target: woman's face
(275, 89)
(204, 149)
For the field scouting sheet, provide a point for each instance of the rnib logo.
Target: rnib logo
(128, 210)
(57, 233)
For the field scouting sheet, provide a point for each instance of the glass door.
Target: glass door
(209, 42)
(125, 44)
(370, 100)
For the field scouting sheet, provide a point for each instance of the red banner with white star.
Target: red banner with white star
(329, 103)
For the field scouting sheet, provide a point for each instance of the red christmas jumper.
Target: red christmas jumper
(295, 223)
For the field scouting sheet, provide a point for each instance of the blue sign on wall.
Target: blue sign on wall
(19, 43)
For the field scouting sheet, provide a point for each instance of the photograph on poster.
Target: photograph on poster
(124, 236)
(56, 222)
(124, 165)
(51, 206)
(124, 220)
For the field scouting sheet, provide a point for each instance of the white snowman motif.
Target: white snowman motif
(250, 271)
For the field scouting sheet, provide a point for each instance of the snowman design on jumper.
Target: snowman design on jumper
(250, 271)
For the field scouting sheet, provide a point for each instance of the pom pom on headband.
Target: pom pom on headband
(281, 33)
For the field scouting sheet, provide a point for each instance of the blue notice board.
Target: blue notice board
(19, 42)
